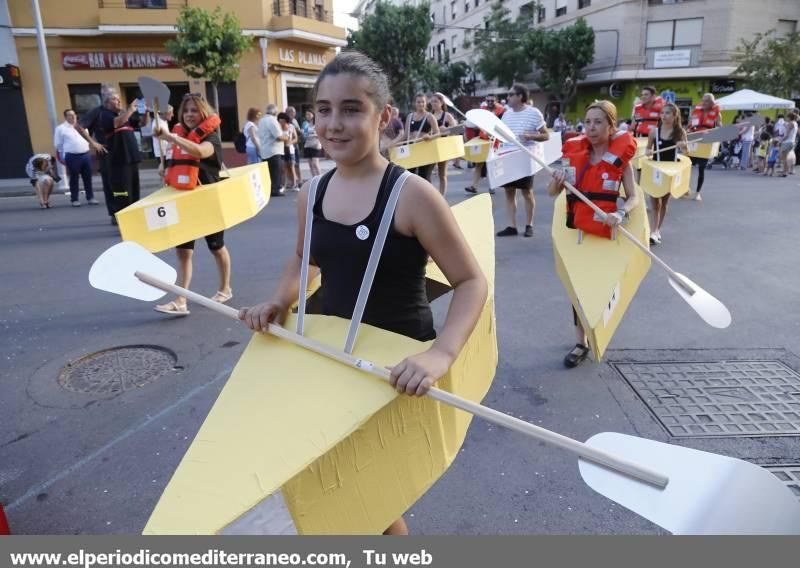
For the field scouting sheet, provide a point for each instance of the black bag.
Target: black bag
(240, 143)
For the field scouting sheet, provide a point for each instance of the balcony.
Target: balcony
(304, 19)
(139, 12)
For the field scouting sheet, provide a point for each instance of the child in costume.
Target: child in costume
(351, 97)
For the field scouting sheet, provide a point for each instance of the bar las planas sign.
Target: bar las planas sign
(103, 60)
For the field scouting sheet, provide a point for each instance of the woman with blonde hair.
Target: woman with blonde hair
(597, 163)
(668, 135)
(195, 158)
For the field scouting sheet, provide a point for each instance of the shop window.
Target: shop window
(561, 8)
(83, 98)
(162, 4)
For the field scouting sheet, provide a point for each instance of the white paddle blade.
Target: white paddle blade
(706, 494)
(489, 123)
(446, 99)
(722, 134)
(713, 312)
(113, 271)
(153, 89)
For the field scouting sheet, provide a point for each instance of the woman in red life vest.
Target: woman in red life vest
(194, 158)
(705, 116)
(670, 133)
(596, 163)
(647, 111)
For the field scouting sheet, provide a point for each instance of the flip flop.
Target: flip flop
(173, 308)
(222, 297)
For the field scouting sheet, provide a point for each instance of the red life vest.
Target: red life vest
(183, 169)
(599, 182)
(702, 120)
(647, 117)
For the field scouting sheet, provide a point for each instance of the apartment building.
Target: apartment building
(682, 47)
(96, 42)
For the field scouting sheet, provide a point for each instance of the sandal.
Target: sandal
(576, 356)
(470, 189)
(173, 309)
(222, 297)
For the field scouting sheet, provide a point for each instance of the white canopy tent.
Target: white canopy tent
(747, 99)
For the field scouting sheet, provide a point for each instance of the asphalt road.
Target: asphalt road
(72, 463)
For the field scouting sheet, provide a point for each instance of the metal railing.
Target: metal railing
(143, 4)
(312, 9)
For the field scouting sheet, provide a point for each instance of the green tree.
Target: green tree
(396, 37)
(502, 51)
(449, 77)
(209, 45)
(559, 57)
(770, 64)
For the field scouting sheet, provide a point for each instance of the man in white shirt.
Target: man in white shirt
(271, 137)
(747, 134)
(73, 148)
(528, 125)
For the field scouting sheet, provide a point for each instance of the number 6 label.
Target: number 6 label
(160, 216)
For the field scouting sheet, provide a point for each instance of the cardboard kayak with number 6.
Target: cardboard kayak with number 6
(170, 217)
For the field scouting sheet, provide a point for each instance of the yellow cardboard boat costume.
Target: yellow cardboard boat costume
(601, 276)
(699, 150)
(170, 217)
(660, 178)
(641, 147)
(507, 165)
(431, 151)
(477, 150)
(297, 443)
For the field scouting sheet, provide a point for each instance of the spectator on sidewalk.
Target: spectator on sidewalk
(97, 127)
(312, 146)
(164, 118)
(289, 151)
(747, 134)
(41, 169)
(292, 112)
(250, 131)
(73, 149)
(125, 153)
(271, 138)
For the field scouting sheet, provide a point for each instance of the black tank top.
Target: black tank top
(669, 155)
(398, 301)
(414, 127)
(440, 121)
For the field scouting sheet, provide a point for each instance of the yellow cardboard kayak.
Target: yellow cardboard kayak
(641, 146)
(660, 178)
(707, 151)
(432, 151)
(601, 276)
(297, 443)
(477, 150)
(170, 217)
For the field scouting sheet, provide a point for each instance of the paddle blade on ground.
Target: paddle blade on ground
(489, 123)
(114, 270)
(713, 312)
(707, 493)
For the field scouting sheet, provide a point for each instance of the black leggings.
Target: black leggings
(701, 171)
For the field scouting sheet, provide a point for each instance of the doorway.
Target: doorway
(228, 109)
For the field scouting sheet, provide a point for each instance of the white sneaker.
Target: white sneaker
(698, 197)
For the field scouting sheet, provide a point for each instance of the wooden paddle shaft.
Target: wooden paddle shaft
(674, 275)
(579, 448)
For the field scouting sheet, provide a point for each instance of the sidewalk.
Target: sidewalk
(148, 179)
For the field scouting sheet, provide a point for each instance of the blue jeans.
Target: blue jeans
(745, 159)
(252, 156)
(79, 166)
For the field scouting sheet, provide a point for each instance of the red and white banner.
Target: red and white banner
(102, 60)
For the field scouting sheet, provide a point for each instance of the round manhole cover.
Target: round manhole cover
(117, 369)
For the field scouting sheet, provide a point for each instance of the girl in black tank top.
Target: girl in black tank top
(351, 99)
(421, 124)
(670, 133)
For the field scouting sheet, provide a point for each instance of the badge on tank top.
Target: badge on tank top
(362, 232)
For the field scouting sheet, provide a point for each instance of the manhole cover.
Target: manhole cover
(790, 475)
(722, 398)
(117, 369)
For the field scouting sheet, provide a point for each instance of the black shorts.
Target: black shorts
(288, 157)
(297, 153)
(312, 152)
(524, 184)
(215, 241)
